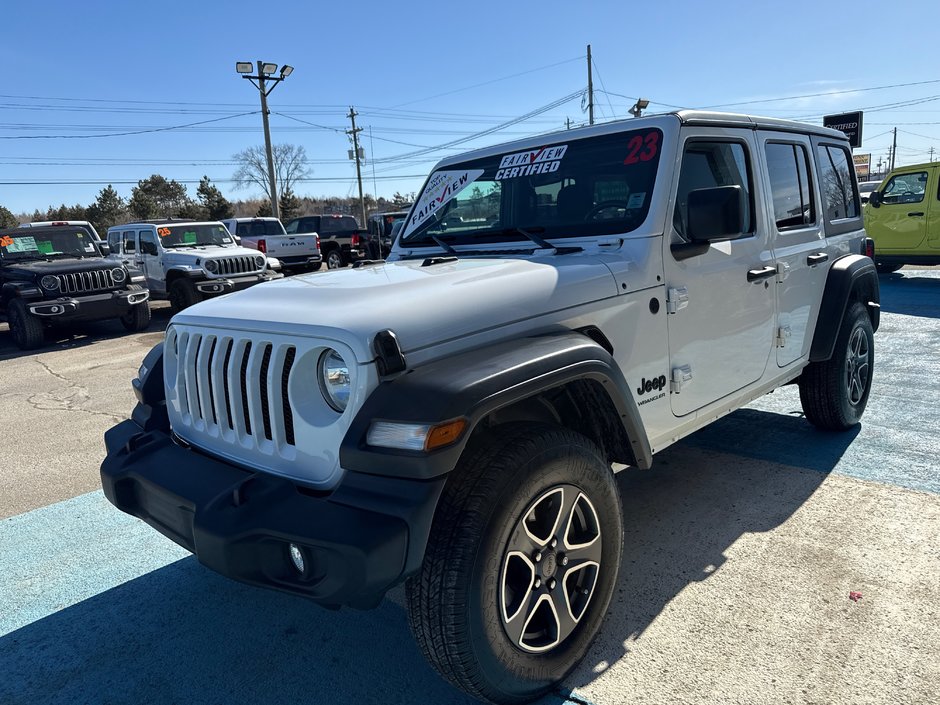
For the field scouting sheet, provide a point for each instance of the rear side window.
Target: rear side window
(905, 188)
(836, 182)
(129, 246)
(711, 164)
(790, 186)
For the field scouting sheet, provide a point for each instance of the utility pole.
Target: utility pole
(355, 138)
(894, 147)
(568, 124)
(265, 75)
(590, 88)
(931, 154)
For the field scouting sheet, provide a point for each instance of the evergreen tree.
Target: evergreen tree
(289, 206)
(107, 210)
(264, 210)
(216, 205)
(7, 219)
(158, 197)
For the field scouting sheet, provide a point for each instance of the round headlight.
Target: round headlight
(212, 266)
(334, 379)
(260, 261)
(49, 282)
(118, 274)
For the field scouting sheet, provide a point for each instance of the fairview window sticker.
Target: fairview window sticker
(442, 187)
(541, 160)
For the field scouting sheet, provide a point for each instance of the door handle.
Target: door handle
(754, 275)
(916, 214)
(818, 258)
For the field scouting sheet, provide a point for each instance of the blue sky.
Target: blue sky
(413, 71)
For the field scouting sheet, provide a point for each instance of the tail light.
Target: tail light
(318, 242)
(262, 246)
(868, 247)
(354, 241)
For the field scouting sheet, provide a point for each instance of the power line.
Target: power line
(97, 182)
(824, 93)
(123, 134)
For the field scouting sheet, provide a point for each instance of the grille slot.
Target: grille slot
(285, 400)
(244, 387)
(263, 388)
(85, 282)
(225, 382)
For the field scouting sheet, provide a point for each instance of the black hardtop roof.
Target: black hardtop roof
(167, 221)
(40, 229)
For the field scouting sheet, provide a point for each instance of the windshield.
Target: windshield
(192, 235)
(63, 241)
(337, 224)
(587, 187)
(259, 227)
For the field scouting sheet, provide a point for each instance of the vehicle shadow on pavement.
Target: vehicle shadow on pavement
(184, 634)
(748, 472)
(910, 295)
(81, 335)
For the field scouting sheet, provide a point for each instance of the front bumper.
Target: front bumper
(225, 285)
(358, 541)
(94, 307)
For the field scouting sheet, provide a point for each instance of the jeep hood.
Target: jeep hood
(188, 255)
(422, 305)
(62, 265)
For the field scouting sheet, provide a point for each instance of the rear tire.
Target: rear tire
(491, 555)
(27, 330)
(834, 392)
(334, 259)
(182, 295)
(316, 267)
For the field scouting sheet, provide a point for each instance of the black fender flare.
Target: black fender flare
(472, 385)
(852, 275)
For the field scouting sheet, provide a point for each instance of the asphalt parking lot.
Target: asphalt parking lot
(742, 547)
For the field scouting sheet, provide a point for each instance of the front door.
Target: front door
(933, 210)
(149, 261)
(721, 334)
(799, 242)
(899, 224)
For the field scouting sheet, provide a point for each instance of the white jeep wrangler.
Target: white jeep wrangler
(552, 307)
(187, 261)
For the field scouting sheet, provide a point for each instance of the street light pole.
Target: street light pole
(265, 76)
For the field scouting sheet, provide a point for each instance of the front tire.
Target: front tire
(27, 330)
(834, 392)
(137, 319)
(521, 563)
(182, 295)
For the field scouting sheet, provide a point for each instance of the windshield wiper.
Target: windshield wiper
(540, 241)
(444, 246)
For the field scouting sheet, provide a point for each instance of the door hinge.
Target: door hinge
(783, 271)
(783, 335)
(681, 376)
(677, 299)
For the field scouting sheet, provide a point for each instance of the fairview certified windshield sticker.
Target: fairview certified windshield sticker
(442, 187)
(542, 160)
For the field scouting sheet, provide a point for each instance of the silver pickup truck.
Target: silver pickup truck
(267, 235)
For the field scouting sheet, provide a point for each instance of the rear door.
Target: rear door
(933, 209)
(799, 242)
(149, 259)
(721, 334)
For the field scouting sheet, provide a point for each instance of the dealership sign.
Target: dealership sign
(862, 166)
(849, 123)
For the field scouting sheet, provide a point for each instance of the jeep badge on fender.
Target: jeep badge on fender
(450, 418)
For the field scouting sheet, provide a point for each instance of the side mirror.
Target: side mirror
(875, 199)
(104, 248)
(715, 213)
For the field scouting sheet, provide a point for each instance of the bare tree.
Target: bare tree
(290, 165)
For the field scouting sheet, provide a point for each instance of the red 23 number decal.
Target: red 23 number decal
(642, 147)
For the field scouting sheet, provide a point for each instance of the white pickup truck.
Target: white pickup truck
(267, 235)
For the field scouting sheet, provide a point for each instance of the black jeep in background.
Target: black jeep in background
(342, 241)
(58, 274)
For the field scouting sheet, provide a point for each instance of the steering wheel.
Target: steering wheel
(604, 205)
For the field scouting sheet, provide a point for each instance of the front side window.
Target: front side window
(193, 235)
(148, 244)
(905, 188)
(789, 185)
(129, 246)
(710, 165)
(836, 182)
(29, 243)
(587, 187)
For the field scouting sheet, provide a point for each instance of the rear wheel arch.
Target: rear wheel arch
(851, 278)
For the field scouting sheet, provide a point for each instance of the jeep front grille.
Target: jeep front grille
(85, 282)
(229, 385)
(243, 264)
